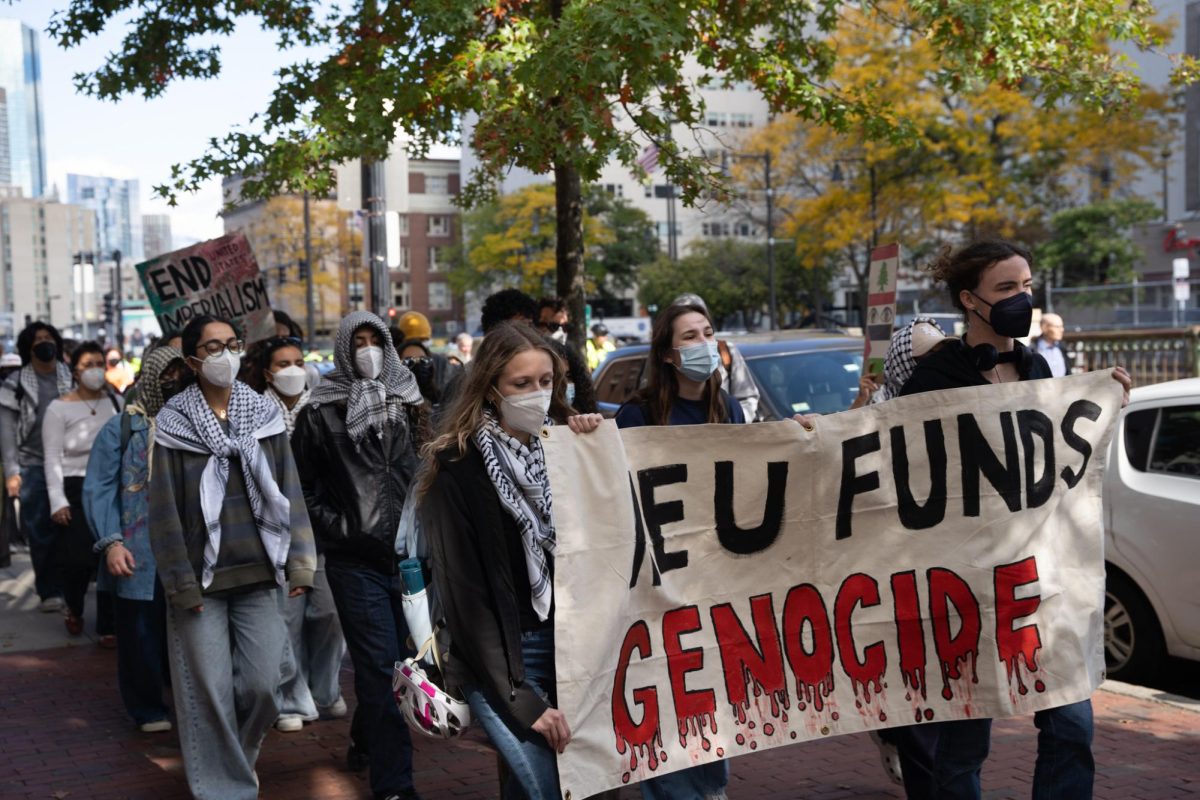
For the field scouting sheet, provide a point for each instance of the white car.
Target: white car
(1152, 531)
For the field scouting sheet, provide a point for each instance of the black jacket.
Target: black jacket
(951, 367)
(470, 546)
(355, 495)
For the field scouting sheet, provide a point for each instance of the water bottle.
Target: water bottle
(412, 575)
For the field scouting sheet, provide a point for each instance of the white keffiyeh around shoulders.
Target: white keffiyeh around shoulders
(187, 422)
(518, 472)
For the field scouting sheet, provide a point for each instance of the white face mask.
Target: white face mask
(221, 370)
(289, 381)
(369, 361)
(526, 412)
(92, 379)
(560, 336)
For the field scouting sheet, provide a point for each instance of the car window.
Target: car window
(1139, 430)
(619, 380)
(824, 382)
(1177, 443)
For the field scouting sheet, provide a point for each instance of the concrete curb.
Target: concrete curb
(1152, 695)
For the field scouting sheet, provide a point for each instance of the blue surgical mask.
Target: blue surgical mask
(699, 361)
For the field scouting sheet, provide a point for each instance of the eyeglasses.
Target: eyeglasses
(552, 327)
(214, 347)
(421, 362)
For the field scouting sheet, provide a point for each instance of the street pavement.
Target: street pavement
(64, 734)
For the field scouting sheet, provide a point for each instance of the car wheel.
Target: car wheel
(1133, 640)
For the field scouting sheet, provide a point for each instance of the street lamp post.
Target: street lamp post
(1166, 161)
(838, 177)
(117, 296)
(765, 157)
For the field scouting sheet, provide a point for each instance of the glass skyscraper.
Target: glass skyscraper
(23, 139)
(117, 207)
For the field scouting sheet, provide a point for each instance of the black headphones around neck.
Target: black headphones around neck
(984, 357)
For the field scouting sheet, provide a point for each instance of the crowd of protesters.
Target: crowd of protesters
(244, 518)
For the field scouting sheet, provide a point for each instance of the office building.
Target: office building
(40, 240)
(156, 235)
(23, 141)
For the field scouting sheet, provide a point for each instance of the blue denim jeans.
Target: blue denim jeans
(40, 531)
(141, 655)
(532, 764)
(224, 677)
(369, 605)
(692, 783)
(944, 760)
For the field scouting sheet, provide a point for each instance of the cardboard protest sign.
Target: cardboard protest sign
(218, 277)
(726, 589)
(881, 306)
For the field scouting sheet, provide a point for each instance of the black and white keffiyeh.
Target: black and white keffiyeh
(898, 364)
(26, 404)
(187, 423)
(289, 414)
(370, 403)
(518, 472)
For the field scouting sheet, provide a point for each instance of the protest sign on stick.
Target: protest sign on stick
(880, 313)
(219, 277)
(725, 589)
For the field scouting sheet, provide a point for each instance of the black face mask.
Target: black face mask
(169, 389)
(45, 351)
(1011, 316)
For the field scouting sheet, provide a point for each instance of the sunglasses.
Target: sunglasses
(423, 361)
(283, 341)
(552, 327)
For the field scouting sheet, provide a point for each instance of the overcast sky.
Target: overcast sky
(141, 139)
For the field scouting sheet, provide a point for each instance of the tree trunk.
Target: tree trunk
(568, 210)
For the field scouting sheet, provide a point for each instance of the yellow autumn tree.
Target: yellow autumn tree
(276, 234)
(976, 159)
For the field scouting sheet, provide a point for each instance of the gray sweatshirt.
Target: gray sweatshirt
(28, 452)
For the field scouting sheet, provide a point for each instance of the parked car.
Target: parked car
(1152, 531)
(797, 372)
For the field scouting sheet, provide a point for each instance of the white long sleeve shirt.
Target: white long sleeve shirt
(68, 430)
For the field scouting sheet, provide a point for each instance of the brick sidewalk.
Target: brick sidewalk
(65, 735)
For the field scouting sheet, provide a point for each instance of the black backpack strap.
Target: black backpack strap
(112, 398)
(126, 430)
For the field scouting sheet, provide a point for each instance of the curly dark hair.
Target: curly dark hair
(82, 349)
(961, 269)
(557, 304)
(25, 340)
(506, 305)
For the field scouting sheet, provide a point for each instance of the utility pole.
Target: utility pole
(308, 273)
(120, 331)
(772, 301)
(375, 206)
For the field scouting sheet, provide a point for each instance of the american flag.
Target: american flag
(648, 160)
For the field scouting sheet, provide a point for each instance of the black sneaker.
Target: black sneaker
(357, 759)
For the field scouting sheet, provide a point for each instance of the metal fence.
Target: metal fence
(1151, 356)
(1141, 304)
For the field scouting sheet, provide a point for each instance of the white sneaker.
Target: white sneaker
(889, 757)
(157, 726)
(51, 604)
(289, 723)
(337, 710)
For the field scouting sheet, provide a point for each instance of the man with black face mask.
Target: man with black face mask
(24, 397)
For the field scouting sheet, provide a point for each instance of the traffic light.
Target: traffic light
(282, 275)
(391, 313)
(108, 309)
(302, 269)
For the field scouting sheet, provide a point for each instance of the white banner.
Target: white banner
(726, 589)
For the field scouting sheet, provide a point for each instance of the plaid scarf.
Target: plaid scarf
(898, 364)
(187, 423)
(370, 403)
(150, 398)
(519, 474)
(26, 403)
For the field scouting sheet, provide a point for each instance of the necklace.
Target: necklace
(221, 413)
(92, 406)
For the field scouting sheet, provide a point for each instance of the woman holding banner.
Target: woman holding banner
(991, 282)
(485, 498)
(683, 388)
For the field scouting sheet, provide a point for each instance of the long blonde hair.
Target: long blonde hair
(488, 361)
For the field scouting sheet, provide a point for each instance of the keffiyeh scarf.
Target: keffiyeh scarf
(289, 414)
(150, 398)
(370, 403)
(187, 423)
(27, 404)
(898, 364)
(518, 472)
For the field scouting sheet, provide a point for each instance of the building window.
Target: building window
(403, 224)
(717, 229)
(744, 229)
(439, 296)
(401, 297)
(741, 120)
(438, 258)
(439, 226)
(87, 193)
(614, 190)
(716, 119)
(664, 229)
(404, 264)
(437, 184)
